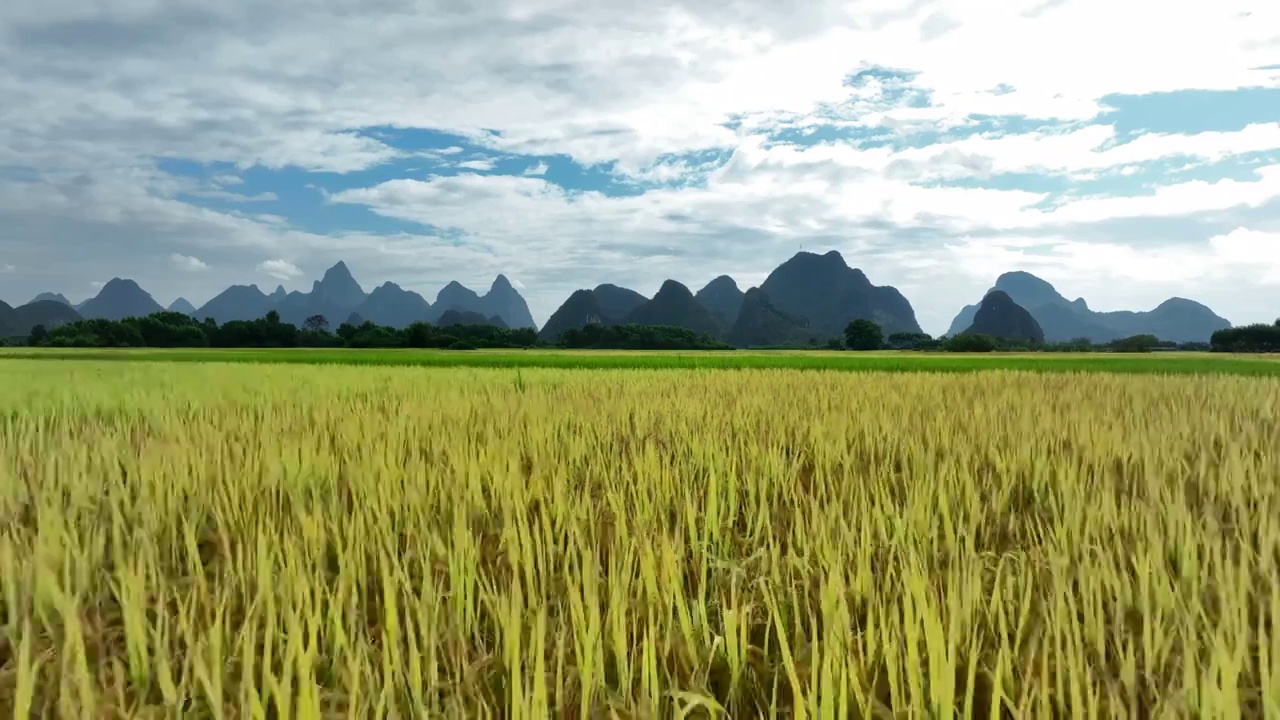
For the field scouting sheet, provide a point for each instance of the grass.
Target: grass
(1155, 363)
(214, 540)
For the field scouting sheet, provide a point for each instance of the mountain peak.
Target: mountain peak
(672, 287)
(120, 298)
(55, 297)
(722, 281)
(999, 316)
(182, 305)
(338, 289)
(501, 283)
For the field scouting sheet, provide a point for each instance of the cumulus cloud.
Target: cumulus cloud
(679, 103)
(280, 269)
(187, 263)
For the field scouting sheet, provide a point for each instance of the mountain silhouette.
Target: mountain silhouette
(502, 300)
(238, 302)
(49, 313)
(760, 324)
(467, 317)
(824, 291)
(617, 302)
(391, 305)
(1176, 319)
(723, 298)
(55, 297)
(999, 316)
(119, 299)
(581, 309)
(182, 306)
(675, 305)
(8, 321)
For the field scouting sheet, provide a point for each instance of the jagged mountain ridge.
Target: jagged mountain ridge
(826, 293)
(1176, 319)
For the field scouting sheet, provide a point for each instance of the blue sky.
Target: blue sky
(935, 144)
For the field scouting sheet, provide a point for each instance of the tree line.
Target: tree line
(172, 330)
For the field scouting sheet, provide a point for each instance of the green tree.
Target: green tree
(862, 334)
(316, 323)
(969, 343)
(38, 334)
(1136, 344)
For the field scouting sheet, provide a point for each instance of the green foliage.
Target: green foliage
(862, 334)
(910, 341)
(37, 336)
(1258, 338)
(970, 343)
(175, 330)
(638, 337)
(1136, 343)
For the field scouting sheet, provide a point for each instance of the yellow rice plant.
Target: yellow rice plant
(289, 541)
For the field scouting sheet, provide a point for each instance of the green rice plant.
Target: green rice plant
(256, 540)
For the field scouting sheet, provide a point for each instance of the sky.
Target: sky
(1125, 151)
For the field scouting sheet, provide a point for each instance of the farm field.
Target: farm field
(292, 540)
(1157, 363)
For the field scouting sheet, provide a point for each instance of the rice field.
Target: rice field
(251, 541)
(1157, 363)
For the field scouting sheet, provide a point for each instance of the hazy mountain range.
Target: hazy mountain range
(1175, 319)
(809, 298)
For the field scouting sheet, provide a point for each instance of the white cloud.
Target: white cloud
(6, 268)
(95, 92)
(280, 269)
(187, 263)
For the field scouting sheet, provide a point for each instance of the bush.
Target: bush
(462, 345)
(968, 343)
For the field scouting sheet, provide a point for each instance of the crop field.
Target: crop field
(1163, 363)
(291, 540)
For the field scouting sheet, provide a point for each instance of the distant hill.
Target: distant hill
(335, 296)
(55, 297)
(825, 292)
(467, 317)
(238, 302)
(1176, 319)
(723, 298)
(119, 299)
(8, 321)
(502, 300)
(391, 305)
(760, 324)
(18, 322)
(581, 309)
(999, 316)
(182, 306)
(617, 302)
(674, 305)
